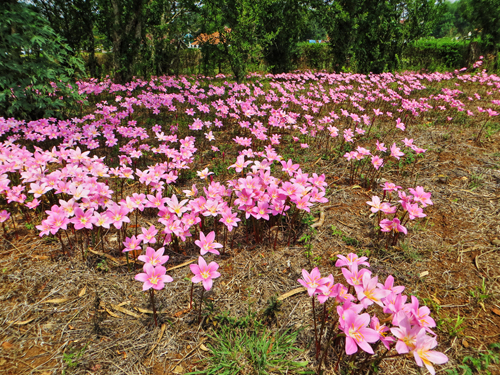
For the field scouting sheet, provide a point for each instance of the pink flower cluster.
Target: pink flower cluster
(412, 206)
(410, 323)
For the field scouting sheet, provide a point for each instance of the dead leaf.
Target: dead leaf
(434, 298)
(125, 311)
(495, 311)
(182, 312)
(465, 343)
(2, 362)
(162, 331)
(204, 348)
(41, 257)
(356, 187)
(7, 345)
(178, 369)
(56, 300)
(182, 265)
(82, 292)
(21, 323)
(423, 274)
(112, 313)
(291, 293)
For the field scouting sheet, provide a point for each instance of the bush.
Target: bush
(36, 67)
(313, 56)
(436, 54)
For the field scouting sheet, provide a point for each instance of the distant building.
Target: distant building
(214, 38)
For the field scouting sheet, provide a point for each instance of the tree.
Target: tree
(286, 22)
(122, 22)
(451, 21)
(369, 35)
(74, 20)
(238, 24)
(36, 67)
(168, 25)
(484, 15)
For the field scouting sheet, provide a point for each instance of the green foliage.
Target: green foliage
(452, 20)
(480, 293)
(257, 351)
(36, 67)
(241, 35)
(455, 325)
(368, 36)
(74, 21)
(335, 231)
(170, 26)
(483, 15)
(313, 55)
(285, 21)
(478, 364)
(435, 54)
(71, 359)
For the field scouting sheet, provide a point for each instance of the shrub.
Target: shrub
(36, 67)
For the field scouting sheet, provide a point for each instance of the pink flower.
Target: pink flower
(207, 244)
(177, 207)
(102, 220)
(377, 162)
(375, 203)
(204, 173)
(387, 209)
(229, 219)
(328, 290)
(83, 219)
(400, 125)
(350, 260)
(389, 285)
(419, 195)
(155, 258)
(387, 341)
(392, 225)
(289, 167)
(131, 244)
(153, 277)
(381, 147)
(4, 215)
(396, 151)
(414, 211)
(357, 333)
(148, 235)
(419, 315)
(57, 221)
(406, 334)
(312, 281)
(390, 187)
(240, 163)
(368, 293)
(204, 273)
(117, 214)
(354, 276)
(424, 356)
